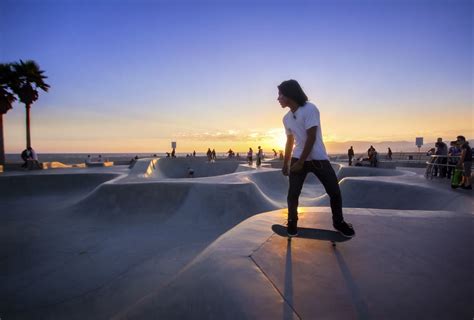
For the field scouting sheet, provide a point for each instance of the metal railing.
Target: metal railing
(440, 164)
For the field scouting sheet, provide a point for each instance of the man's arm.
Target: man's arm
(308, 146)
(463, 155)
(288, 149)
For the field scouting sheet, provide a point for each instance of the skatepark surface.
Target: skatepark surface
(149, 242)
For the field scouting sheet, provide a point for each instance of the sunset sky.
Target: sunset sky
(132, 76)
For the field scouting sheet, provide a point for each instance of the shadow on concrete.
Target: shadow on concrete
(359, 303)
(288, 290)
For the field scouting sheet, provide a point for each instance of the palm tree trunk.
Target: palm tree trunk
(2, 145)
(28, 134)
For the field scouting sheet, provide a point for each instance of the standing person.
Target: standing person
(250, 156)
(213, 154)
(303, 132)
(453, 153)
(465, 162)
(259, 157)
(442, 160)
(389, 154)
(194, 154)
(275, 154)
(173, 153)
(350, 154)
(209, 154)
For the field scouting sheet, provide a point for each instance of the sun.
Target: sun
(280, 139)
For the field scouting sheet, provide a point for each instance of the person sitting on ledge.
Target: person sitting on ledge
(32, 159)
(25, 155)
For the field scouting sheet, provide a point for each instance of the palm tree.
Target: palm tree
(6, 100)
(28, 78)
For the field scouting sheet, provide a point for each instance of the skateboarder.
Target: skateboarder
(303, 131)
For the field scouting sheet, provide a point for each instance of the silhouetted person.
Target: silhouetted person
(250, 156)
(173, 153)
(25, 155)
(350, 154)
(465, 162)
(442, 152)
(275, 154)
(389, 154)
(194, 153)
(259, 156)
(209, 154)
(303, 131)
(31, 158)
(214, 154)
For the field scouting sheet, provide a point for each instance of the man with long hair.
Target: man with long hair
(305, 148)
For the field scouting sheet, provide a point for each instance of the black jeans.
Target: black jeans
(325, 173)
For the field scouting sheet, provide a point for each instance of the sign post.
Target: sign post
(419, 143)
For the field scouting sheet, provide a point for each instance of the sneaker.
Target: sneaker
(345, 229)
(292, 229)
(469, 187)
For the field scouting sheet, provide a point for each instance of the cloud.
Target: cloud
(232, 135)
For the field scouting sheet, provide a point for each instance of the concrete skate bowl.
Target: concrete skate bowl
(183, 200)
(34, 185)
(383, 194)
(345, 172)
(176, 168)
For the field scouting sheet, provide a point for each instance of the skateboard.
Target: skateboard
(310, 233)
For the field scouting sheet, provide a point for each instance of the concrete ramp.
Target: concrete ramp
(399, 195)
(175, 168)
(35, 185)
(397, 267)
(345, 172)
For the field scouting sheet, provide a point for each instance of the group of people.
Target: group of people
(372, 156)
(260, 156)
(211, 155)
(458, 155)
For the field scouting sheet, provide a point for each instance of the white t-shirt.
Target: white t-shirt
(296, 125)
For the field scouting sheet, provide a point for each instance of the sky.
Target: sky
(132, 76)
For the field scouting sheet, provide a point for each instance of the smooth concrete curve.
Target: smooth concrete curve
(97, 242)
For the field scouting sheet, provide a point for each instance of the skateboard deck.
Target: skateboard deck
(310, 233)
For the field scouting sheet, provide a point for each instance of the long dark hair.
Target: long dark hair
(292, 90)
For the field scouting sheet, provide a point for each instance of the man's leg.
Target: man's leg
(325, 173)
(443, 169)
(294, 191)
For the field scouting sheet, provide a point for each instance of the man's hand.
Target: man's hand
(284, 170)
(297, 166)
